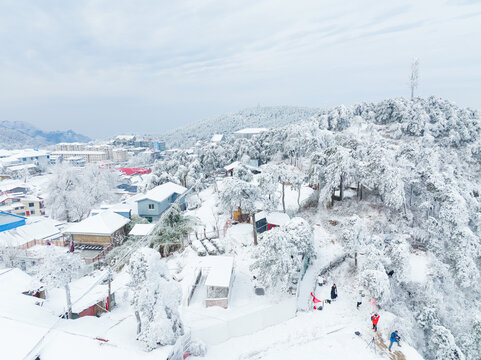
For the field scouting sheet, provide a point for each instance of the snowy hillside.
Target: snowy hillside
(380, 199)
(19, 134)
(403, 179)
(258, 117)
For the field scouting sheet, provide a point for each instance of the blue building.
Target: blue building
(10, 221)
(153, 204)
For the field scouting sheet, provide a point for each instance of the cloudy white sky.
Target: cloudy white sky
(106, 67)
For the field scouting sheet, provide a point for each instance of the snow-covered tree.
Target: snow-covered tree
(354, 236)
(171, 228)
(58, 270)
(155, 297)
(72, 192)
(280, 254)
(442, 344)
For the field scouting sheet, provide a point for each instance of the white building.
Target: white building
(120, 155)
(38, 158)
(249, 132)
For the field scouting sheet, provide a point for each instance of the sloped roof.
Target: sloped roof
(232, 166)
(105, 223)
(40, 229)
(142, 229)
(162, 192)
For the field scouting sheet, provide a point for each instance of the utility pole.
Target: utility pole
(254, 228)
(414, 78)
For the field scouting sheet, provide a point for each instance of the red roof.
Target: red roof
(134, 171)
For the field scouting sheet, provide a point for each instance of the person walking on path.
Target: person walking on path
(395, 338)
(333, 292)
(375, 320)
(359, 299)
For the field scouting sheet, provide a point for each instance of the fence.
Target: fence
(194, 286)
(99, 256)
(34, 242)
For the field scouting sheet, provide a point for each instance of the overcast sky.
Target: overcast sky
(109, 67)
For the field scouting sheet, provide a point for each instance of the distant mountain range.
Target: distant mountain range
(257, 117)
(20, 134)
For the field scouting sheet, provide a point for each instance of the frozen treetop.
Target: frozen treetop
(142, 229)
(105, 223)
(162, 192)
(220, 270)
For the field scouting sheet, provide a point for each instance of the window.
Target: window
(151, 206)
(32, 212)
(31, 204)
(24, 159)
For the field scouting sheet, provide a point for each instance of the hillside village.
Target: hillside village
(229, 248)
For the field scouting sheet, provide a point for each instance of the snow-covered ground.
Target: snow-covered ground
(272, 326)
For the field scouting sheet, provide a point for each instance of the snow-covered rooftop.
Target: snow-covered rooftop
(274, 218)
(251, 131)
(142, 229)
(162, 192)
(220, 270)
(39, 229)
(217, 137)
(15, 280)
(277, 218)
(234, 165)
(105, 223)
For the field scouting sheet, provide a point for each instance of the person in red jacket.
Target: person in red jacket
(375, 320)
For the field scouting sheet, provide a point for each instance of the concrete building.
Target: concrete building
(88, 156)
(15, 158)
(120, 155)
(34, 206)
(153, 204)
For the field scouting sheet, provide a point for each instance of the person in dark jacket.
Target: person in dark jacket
(394, 338)
(333, 292)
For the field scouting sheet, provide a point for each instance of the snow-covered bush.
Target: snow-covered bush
(155, 298)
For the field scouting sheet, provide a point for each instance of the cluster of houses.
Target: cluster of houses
(95, 235)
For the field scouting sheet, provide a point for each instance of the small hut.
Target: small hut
(219, 280)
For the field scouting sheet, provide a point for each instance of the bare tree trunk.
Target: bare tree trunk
(283, 197)
(360, 192)
(110, 292)
(341, 190)
(254, 228)
(69, 301)
(139, 322)
(355, 259)
(299, 196)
